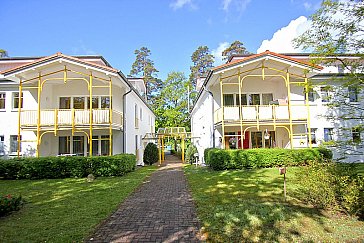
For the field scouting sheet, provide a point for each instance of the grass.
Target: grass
(248, 206)
(64, 210)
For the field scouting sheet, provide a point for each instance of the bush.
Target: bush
(9, 203)
(64, 167)
(332, 186)
(261, 158)
(190, 152)
(151, 154)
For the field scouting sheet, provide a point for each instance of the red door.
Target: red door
(245, 141)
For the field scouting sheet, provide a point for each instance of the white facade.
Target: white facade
(271, 113)
(63, 122)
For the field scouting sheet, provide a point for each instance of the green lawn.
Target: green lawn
(64, 210)
(248, 206)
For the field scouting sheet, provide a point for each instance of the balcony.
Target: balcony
(50, 118)
(261, 113)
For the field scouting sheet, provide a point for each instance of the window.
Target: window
(324, 94)
(105, 102)
(2, 149)
(64, 102)
(243, 99)
(328, 134)
(340, 68)
(2, 100)
(254, 99)
(95, 102)
(256, 139)
(95, 146)
(313, 136)
(311, 94)
(78, 145)
(105, 145)
(79, 102)
(353, 94)
(64, 145)
(14, 143)
(228, 99)
(16, 100)
(267, 98)
(356, 134)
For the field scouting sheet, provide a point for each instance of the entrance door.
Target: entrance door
(245, 141)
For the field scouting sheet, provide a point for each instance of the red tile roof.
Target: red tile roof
(55, 56)
(267, 52)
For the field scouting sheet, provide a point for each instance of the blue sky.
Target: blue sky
(171, 29)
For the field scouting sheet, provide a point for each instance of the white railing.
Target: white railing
(260, 112)
(69, 117)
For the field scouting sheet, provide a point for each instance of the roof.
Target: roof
(56, 56)
(266, 53)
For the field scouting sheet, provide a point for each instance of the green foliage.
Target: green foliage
(144, 67)
(9, 203)
(64, 167)
(3, 53)
(235, 48)
(151, 154)
(202, 61)
(331, 185)
(172, 108)
(220, 159)
(190, 151)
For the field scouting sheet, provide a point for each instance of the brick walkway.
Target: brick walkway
(161, 210)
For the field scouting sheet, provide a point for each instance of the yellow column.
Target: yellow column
(159, 150)
(19, 117)
(289, 109)
(308, 115)
(110, 117)
(240, 113)
(39, 113)
(223, 116)
(183, 148)
(91, 117)
(163, 157)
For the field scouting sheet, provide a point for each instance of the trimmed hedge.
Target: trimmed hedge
(151, 154)
(220, 159)
(65, 167)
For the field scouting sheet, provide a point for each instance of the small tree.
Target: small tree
(150, 154)
(190, 152)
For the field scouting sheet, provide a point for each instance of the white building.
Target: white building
(70, 106)
(259, 101)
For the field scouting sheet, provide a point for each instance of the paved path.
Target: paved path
(161, 210)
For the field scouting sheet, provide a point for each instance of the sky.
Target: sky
(171, 29)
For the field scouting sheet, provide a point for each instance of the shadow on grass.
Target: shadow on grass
(248, 206)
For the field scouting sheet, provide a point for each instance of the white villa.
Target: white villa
(259, 101)
(70, 105)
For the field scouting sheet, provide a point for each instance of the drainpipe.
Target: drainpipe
(124, 118)
(213, 110)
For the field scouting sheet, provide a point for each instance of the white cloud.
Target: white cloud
(177, 4)
(307, 5)
(240, 5)
(282, 38)
(217, 53)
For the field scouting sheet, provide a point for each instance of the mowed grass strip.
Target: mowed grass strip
(248, 206)
(64, 210)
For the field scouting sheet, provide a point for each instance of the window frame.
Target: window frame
(329, 135)
(3, 99)
(15, 100)
(352, 90)
(355, 134)
(12, 142)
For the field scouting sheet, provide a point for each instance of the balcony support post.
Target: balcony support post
(39, 113)
(91, 117)
(19, 117)
(110, 117)
(308, 115)
(289, 108)
(223, 116)
(240, 112)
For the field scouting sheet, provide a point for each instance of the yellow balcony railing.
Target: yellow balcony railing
(70, 117)
(260, 113)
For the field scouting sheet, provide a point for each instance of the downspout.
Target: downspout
(124, 119)
(212, 112)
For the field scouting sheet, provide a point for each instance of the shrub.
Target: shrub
(260, 158)
(331, 185)
(151, 154)
(206, 155)
(190, 152)
(64, 167)
(9, 203)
